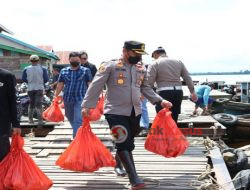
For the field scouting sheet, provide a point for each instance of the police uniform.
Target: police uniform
(122, 108)
(166, 74)
(122, 105)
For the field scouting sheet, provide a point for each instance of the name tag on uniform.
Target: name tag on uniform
(1, 84)
(120, 69)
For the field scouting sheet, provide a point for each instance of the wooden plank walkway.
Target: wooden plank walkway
(158, 172)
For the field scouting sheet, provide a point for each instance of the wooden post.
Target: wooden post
(221, 173)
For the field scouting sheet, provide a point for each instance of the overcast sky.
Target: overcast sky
(207, 35)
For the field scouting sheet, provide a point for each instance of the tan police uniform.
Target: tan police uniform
(122, 100)
(166, 74)
(124, 81)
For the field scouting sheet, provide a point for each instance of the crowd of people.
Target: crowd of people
(129, 84)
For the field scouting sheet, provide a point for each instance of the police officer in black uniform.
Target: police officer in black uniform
(126, 79)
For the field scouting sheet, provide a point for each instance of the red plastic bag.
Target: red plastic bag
(95, 114)
(4, 166)
(62, 105)
(86, 153)
(23, 173)
(54, 113)
(165, 138)
(100, 104)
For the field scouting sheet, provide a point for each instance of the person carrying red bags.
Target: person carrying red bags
(166, 73)
(8, 111)
(74, 81)
(126, 79)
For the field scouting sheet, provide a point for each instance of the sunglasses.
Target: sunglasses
(84, 58)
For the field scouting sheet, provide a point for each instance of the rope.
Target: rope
(215, 181)
(209, 145)
(235, 179)
(222, 185)
(158, 183)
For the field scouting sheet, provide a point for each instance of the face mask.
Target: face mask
(134, 60)
(74, 64)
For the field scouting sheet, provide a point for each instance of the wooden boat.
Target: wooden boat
(244, 120)
(231, 107)
(240, 106)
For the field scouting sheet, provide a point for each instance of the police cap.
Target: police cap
(159, 50)
(135, 46)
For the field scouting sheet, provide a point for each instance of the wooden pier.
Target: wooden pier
(158, 172)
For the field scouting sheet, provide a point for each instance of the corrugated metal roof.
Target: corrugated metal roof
(33, 48)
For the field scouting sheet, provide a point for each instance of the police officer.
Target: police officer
(166, 73)
(126, 80)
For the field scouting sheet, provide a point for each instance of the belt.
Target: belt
(169, 88)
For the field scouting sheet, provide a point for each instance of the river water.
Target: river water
(228, 79)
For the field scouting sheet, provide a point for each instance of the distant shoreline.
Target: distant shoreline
(222, 73)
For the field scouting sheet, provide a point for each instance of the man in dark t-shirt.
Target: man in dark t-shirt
(55, 77)
(85, 63)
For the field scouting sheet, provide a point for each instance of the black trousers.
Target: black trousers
(175, 97)
(4, 146)
(124, 129)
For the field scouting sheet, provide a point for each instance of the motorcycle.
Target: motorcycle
(23, 100)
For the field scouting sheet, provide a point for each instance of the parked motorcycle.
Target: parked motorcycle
(23, 100)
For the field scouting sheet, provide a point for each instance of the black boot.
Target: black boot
(132, 158)
(119, 168)
(128, 163)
